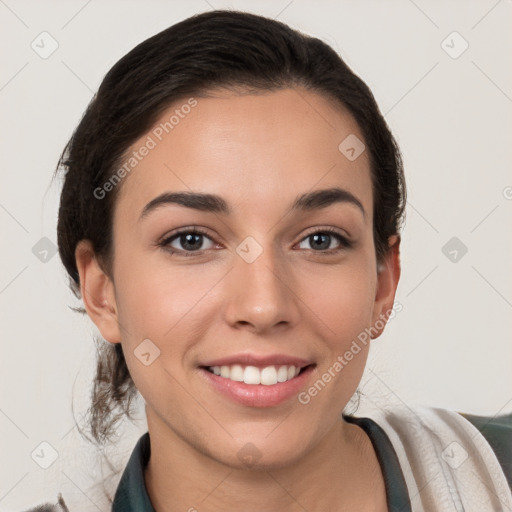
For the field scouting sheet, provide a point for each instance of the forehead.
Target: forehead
(251, 149)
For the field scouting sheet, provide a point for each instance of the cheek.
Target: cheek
(161, 301)
(345, 305)
(156, 302)
(343, 298)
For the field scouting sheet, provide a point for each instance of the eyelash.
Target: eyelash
(343, 241)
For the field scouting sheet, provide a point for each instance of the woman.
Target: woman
(231, 217)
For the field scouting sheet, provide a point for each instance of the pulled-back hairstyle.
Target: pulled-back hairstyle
(217, 49)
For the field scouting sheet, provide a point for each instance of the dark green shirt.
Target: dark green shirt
(131, 494)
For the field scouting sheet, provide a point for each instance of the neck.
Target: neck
(180, 478)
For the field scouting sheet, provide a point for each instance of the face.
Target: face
(260, 284)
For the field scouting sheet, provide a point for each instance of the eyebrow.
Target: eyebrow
(211, 203)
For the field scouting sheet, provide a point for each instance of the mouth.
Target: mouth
(262, 385)
(254, 375)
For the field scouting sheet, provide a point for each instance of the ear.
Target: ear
(97, 291)
(388, 275)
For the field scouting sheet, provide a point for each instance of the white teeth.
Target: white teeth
(236, 373)
(267, 376)
(252, 375)
(282, 374)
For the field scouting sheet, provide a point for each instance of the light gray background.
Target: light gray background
(449, 347)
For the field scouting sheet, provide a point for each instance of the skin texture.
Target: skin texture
(257, 151)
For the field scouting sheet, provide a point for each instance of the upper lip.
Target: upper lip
(259, 360)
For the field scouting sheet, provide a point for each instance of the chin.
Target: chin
(254, 455)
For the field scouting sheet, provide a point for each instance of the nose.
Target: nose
(261, 295)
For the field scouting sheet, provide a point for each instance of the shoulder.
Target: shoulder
(497, 431)
(432, 440)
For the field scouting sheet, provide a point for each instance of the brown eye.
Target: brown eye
(186, 242)
(322, 240)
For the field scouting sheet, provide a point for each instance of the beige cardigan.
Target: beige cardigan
(448, 465)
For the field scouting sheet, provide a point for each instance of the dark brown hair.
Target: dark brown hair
(227, 49)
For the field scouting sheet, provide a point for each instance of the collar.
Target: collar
(131, 494)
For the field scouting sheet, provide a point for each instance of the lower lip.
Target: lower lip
(258, 395)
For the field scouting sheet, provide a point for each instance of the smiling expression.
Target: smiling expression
(245, 238)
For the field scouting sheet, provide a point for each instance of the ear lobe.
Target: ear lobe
(97, 290)
(388, 275)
